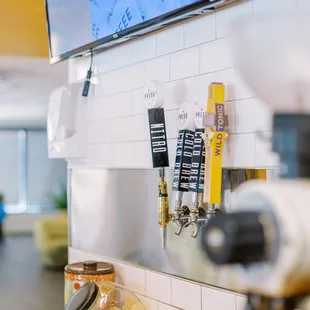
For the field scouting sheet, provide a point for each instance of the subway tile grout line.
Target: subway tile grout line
(103, 143)
(168, 82)
(243, 99)
(128, 141)
(173, 81)
(201, 297)
(236, 100)
(151, 59)
(132, 104)
(170, 139)
(174, 139)
(201, 285)
(145, 280)
(126, 116)
(171, 290)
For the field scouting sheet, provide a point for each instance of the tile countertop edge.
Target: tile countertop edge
(92, 255)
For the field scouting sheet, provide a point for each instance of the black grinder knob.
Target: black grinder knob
(234, 238)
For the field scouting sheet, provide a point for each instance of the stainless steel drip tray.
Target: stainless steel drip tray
(114, 213)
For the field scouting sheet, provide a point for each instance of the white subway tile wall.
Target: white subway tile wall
(158, 287)
(158, 69)
(226, 15)
(170, 40)
(131, 277)
(215, 56)
(274, 6)
(240, 302)
(148, 303)
(187, 57)
(216, 299)
(185, 295)
(160, 292)
(184, 64)
(144, 49)
(116, 105)
(199, 30)
(166, 307)
(236, 88)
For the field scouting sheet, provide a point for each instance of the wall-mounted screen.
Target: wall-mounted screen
(76, 26)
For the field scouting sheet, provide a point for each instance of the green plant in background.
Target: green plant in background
(59, 200)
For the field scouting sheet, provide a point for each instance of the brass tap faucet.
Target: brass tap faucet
(163, 206)
(198, 215)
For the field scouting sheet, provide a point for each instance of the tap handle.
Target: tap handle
(185, 210)
(218, 211)
(183, 160)
(158, 137)
(179, 228)
(202, 212)
(196, 181)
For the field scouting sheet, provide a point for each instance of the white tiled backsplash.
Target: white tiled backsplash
(187, 57)
(160, 292)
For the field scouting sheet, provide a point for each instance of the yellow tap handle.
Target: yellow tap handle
(252, 174)
(215, 137)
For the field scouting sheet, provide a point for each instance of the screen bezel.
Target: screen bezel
(201, 7)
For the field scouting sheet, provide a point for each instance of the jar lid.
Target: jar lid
(84, 298)
(90, 268)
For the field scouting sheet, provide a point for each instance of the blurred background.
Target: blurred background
(33, 205)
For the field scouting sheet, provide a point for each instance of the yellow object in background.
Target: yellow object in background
(23, 28)
(215, 133)
(256, 174)
(51, 240)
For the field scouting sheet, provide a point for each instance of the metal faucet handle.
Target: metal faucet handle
(185, 211)
(181, 218)
(179, 227)
(199, 218)
(202, 212)
(194, 229)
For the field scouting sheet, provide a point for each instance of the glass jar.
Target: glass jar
(76, 275)
(104, 296)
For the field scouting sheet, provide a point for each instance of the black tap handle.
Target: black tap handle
(183, 160)
(158, 137)
(202, 212)
(196, 182)
(186, 212)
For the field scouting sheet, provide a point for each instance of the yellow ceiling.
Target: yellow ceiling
(23, 28)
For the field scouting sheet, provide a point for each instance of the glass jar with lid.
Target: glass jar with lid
(104, 296)
(77, 274)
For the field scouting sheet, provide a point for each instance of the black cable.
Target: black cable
(89, 75)
(91, 59)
